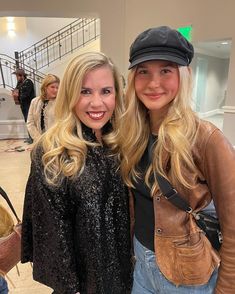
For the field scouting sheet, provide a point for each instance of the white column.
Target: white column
(113, 32)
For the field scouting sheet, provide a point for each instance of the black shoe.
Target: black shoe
(29, 141)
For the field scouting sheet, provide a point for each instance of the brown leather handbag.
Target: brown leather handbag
(10, 237)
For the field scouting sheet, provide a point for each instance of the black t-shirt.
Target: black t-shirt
(144, 211)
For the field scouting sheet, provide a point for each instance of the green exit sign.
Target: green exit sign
(186, 32)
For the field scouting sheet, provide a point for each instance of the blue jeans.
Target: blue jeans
(149, 280)
(3, 286)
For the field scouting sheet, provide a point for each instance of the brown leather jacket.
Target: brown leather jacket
(183, 253)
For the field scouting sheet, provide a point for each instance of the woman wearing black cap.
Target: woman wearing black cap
(165, 137)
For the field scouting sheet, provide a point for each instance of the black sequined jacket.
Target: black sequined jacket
(77, 235)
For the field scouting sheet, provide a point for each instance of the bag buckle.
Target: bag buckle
(189, 210)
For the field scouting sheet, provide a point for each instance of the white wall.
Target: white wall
(215, 82)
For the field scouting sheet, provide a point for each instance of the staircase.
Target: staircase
(61, 43)
(8, 65)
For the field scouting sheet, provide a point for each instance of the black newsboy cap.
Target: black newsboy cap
(161, 43)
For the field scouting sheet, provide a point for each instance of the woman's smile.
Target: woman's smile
(96, 115)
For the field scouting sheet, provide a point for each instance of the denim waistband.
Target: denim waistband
(141, 252)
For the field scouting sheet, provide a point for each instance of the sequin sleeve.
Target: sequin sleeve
(48, 233)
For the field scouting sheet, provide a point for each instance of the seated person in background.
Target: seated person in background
(41, 111)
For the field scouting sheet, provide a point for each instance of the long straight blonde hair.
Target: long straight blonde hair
(63, 145)
(176, 134)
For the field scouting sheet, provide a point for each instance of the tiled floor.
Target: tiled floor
(14, 170)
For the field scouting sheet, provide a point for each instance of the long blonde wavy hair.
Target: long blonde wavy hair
(48, 80)
(176, 135)
(63, 145)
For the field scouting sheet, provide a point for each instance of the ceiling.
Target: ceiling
(214, 48)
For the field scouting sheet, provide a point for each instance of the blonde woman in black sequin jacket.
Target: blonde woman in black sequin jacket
(76, 218)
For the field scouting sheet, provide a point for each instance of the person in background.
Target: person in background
(3, 286)
(24, 92)
(76, 211)
(165, 137)
(41, 111)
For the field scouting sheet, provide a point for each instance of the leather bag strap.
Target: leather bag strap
(167, 190)
(4, 195)
(172, 194)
